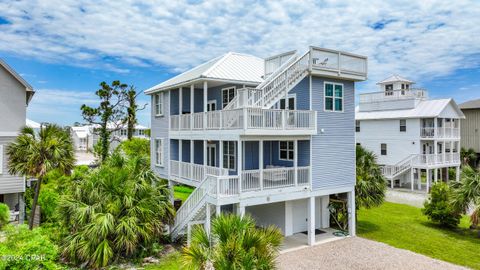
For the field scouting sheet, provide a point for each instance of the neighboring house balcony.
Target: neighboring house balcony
(437, 160)
(394, 95)
(440, 133)
(266, 167)
(246, 121)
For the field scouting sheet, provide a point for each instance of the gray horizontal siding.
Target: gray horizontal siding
(333, 151)
(160, 126)
(9, 183)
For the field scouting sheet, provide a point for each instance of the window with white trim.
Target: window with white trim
(291, 103)
(123, 132)
(1, 159)
(333, 97)
(403, 125)
(159, 152)
(286, 150)
(227, 95)
(141, 132)
(159, 104)
(383, 149)
(357, 125)
(229, 155)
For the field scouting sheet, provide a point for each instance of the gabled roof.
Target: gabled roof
(232, 66)
(19, 78)
(424, 109)
(471, 104)
(395, 78)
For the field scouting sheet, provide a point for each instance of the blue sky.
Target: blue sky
(66, 48)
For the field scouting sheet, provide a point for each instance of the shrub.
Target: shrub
(48, 201)
(4, 215)
(438, 208)
(135, 147)
(24, 249)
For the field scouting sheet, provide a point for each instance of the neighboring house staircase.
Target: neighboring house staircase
(391, 172)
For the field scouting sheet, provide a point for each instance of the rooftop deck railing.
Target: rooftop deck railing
(245, 118)
(440, 132)
(341, 62)
(412, 93)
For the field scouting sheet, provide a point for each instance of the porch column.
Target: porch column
(205, 103)
(180, 107)
(180, 151)
(207, 218)
(457, 173)
(351, 213)
(205, 154)
(240, 210)
(295, 161)
(260, 165)
(239, 155)
(218, 210)
(447, 174)
(192, 89)
(412, 178)
(428, 180)
(445, 151)
(288, 218)
(435, 176)
(311, 221)
(419, 176)
(192, 144)
(220, 154)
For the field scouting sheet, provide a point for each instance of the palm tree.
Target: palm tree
(234, 243)
(371, 185)
(116, 211)
(468, 157)
(466, 193)
(35, 155)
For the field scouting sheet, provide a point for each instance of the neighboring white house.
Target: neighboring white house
(271, 137)
(15, 95)
(84, 137)
(32, 124)
(409, 133)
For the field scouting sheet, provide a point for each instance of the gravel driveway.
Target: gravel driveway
(358, 253)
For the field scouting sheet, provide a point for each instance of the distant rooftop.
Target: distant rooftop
(471, 104)
(395, 78)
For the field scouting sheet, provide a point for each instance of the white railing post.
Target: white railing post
(245, 118)
(260, 165)
(295, 161)
(192, 89)
(283, 119)
(205, 103)
(239, 163)
(180, 107)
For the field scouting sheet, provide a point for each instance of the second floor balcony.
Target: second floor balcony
(248, 121)
(440, 133)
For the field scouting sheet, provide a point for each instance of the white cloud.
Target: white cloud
(419, 39)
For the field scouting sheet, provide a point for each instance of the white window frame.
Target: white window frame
(386, 149)
(123, 132)
(141, 132)
(333, 97)
(159, 152)
(358, 126)
(228, 89)
(226, 165)
(287, 150)
(400, 123)
(294, 96)
(1, 158)
(159, 103)
(210, 102)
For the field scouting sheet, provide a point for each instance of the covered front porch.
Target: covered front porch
(242, 166)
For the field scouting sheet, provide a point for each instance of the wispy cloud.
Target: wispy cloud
(415, 38)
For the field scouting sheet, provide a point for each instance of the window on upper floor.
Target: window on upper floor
(229, 155)
(123, 132)
(333, 97)
(227, 95)
(159, 152)
(403, 125)
(141, 132)
(286, 150)
(159, 104)
(357, 125)
(383, 149)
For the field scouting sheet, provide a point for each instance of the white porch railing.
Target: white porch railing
(438, 159)
(440, 132)
(412, 93)
(246, 118)
(246, 98)
(390, 171)
(194, 172)
(275, 178)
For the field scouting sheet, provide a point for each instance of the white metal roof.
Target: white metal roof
(471, 104)
(231, 66)
(424, 109)
(395, 78)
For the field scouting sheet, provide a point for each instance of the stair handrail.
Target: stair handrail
(191, 202)
(280, 70)
(399, 166)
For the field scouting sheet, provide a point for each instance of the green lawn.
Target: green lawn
(182, 192)
(405, 227)
(170, 262)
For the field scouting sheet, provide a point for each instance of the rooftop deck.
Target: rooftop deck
(391, 95)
